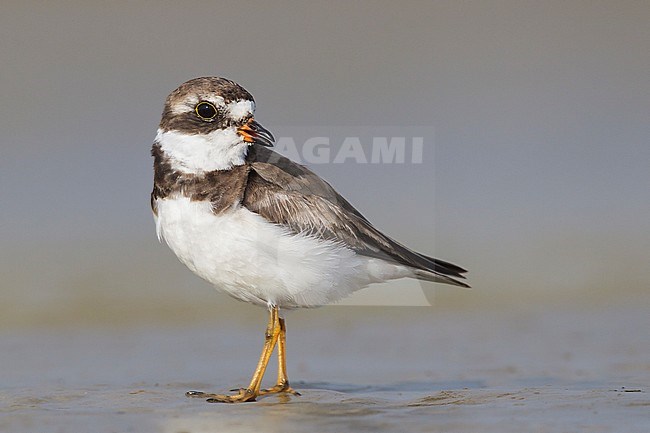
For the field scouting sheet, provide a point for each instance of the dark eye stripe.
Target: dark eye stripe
(206, 110)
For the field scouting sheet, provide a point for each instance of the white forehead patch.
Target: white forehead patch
(241, 109)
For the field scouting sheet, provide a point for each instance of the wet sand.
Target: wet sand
(359, 369)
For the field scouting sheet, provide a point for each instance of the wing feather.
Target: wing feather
(289, 194)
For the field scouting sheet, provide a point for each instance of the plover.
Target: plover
(258, 226)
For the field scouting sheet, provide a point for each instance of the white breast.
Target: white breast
(256, 261)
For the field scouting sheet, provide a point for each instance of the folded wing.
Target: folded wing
(289, 194)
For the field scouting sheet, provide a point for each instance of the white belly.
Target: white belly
(253, 260)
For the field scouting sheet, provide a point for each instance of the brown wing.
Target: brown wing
(289, 194)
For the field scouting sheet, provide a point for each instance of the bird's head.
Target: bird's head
(207, 124)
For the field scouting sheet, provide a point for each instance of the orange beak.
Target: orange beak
(253, 132)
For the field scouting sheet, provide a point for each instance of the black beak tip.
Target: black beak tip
(265, 139)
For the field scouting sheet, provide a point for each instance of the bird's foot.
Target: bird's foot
(280, 388)
(243, 395)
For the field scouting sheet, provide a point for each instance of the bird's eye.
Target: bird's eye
(206, 110)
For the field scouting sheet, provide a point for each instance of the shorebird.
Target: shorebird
(259, 226)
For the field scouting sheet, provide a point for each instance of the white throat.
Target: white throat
(219, 150)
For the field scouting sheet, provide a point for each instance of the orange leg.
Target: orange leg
(282, 386)
(273, 331)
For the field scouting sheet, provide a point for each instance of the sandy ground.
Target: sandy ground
(541, 369)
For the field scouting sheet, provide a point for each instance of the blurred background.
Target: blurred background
(535, 178)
